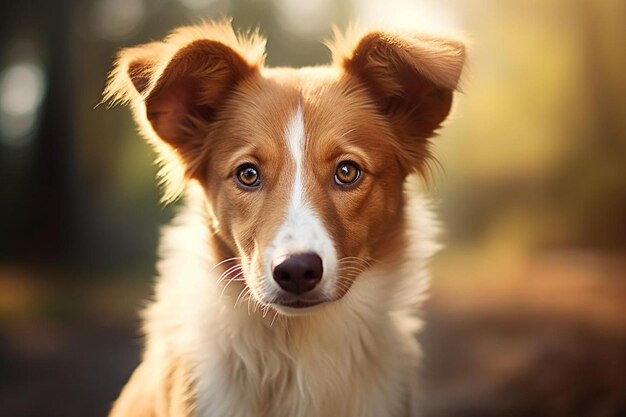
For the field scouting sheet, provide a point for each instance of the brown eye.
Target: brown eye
(347, 173)
(248, 176)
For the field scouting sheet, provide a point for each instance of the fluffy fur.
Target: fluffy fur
(220, 338)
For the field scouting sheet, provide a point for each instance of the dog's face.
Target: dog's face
(302, 169)
(307, 188)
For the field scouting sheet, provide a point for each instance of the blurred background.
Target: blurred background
(527, 315)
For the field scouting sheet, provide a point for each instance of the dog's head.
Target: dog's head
(302, 169)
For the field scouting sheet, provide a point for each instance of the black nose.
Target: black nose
(298, 273)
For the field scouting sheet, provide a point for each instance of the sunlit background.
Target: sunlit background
(528, 309)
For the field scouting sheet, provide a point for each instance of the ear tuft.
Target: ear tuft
(139, 73)
(138, 68)
(131, 73)
(438, 59)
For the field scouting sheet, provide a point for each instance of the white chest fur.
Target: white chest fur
(338, 365)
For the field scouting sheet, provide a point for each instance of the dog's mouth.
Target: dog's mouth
(298, 305)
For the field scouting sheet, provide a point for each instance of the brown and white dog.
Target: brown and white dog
(290, 281)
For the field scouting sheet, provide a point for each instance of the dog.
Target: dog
(290, 281)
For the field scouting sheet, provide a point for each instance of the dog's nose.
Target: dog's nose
(298, 273)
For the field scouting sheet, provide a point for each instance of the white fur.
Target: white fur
(354, 357)
(302, 230)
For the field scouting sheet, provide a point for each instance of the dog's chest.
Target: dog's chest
(276, 382)
(304, 392)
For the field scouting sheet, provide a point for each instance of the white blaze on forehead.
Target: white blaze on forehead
(296, 139)
(302, 229)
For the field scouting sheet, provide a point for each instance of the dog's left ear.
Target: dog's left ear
(411, 78)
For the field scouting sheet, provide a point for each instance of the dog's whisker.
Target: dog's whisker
(342, 285)
(351, 273)
(232, 268)
(274, 318)
(234, 258)
(357, 258)
(352, 268)
(245, 291)
(368, 261)
(235, 278)
(354, 264)
(354, 258)
(225, 274)
(229, 277)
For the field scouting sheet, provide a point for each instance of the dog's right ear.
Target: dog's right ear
(176, 88)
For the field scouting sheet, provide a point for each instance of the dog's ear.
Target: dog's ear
(177, 87)
(411, 78)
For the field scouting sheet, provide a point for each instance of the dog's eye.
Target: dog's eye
(248, 176)
(347, 173)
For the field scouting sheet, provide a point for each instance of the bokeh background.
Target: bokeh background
(528, 309)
